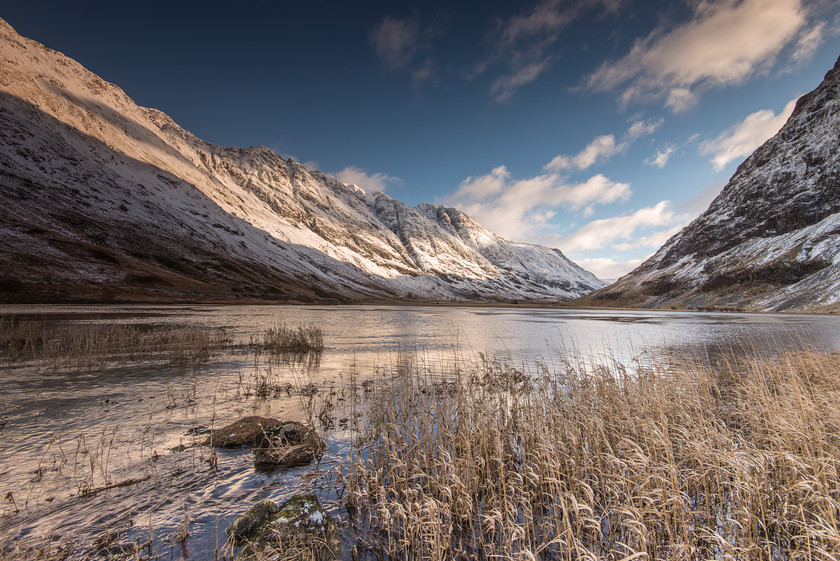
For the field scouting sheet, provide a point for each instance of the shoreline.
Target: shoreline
(571, 305)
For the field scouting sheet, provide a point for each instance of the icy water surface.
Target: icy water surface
(69, 432)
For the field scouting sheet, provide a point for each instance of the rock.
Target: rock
(301, 529)
(247, 525)
(241, 432)
(286, 445)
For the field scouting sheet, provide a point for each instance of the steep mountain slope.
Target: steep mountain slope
(100, 198)
(771, 239)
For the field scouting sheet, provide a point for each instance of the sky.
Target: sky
(599, 127)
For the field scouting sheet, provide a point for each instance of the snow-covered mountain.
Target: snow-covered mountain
(100, 198)
(771, 239)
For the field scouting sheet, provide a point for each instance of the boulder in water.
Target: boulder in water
(300, 529)
(247, 525)
(286, 445)
(241, 432)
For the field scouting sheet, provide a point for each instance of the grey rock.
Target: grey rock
(247, 525)
(301, 529)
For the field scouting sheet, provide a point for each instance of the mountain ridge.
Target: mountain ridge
(770, 241)
(103, 199)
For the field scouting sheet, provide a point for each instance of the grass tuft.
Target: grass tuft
(289, 340)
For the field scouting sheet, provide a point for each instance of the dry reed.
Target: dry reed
(92, 344)
(290, 340)
(736, 461)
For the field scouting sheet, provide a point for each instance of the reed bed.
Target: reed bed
(290, 340)
(91, 344)
(740, 460)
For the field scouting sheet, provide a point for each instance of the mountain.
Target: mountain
(101, 199)
(771, 239)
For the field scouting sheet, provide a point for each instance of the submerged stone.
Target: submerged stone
(241, 432)
(300, 529)
(286, 445)
(247, 525)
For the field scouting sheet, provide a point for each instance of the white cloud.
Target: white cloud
(603, 147)
(376, 182)
(660, 159)
(598, 189)
(743, 138)
(608, 269)
(724, 43)
(395, 40)
(310, 165)
(680, 100)
(653, 241)
(600, 149)
(619, 232)
(519, 209)
(808, 44)
(644, 128)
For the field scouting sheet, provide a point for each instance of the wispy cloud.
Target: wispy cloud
(743, 138)
(642, 128)
(652, 241)
(545, 18)
(808, 44)
(405, 44)
(660, 159)
(642, 231)
(622, 232)
(352, 175)
(680, 100)
(395, 41)
(506, 86)
(424, 74)
(724, 43)
(519, 209)
(524, 42)
(608, 269)
(603, 147)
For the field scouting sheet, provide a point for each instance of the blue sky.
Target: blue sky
(599, 127)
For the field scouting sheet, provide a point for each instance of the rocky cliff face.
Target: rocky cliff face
(771, 239)
(101, 199)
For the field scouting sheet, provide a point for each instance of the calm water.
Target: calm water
(72, 429)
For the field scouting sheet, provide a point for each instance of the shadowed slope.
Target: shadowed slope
(771, 239)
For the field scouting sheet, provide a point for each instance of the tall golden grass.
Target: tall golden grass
(739, 460)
